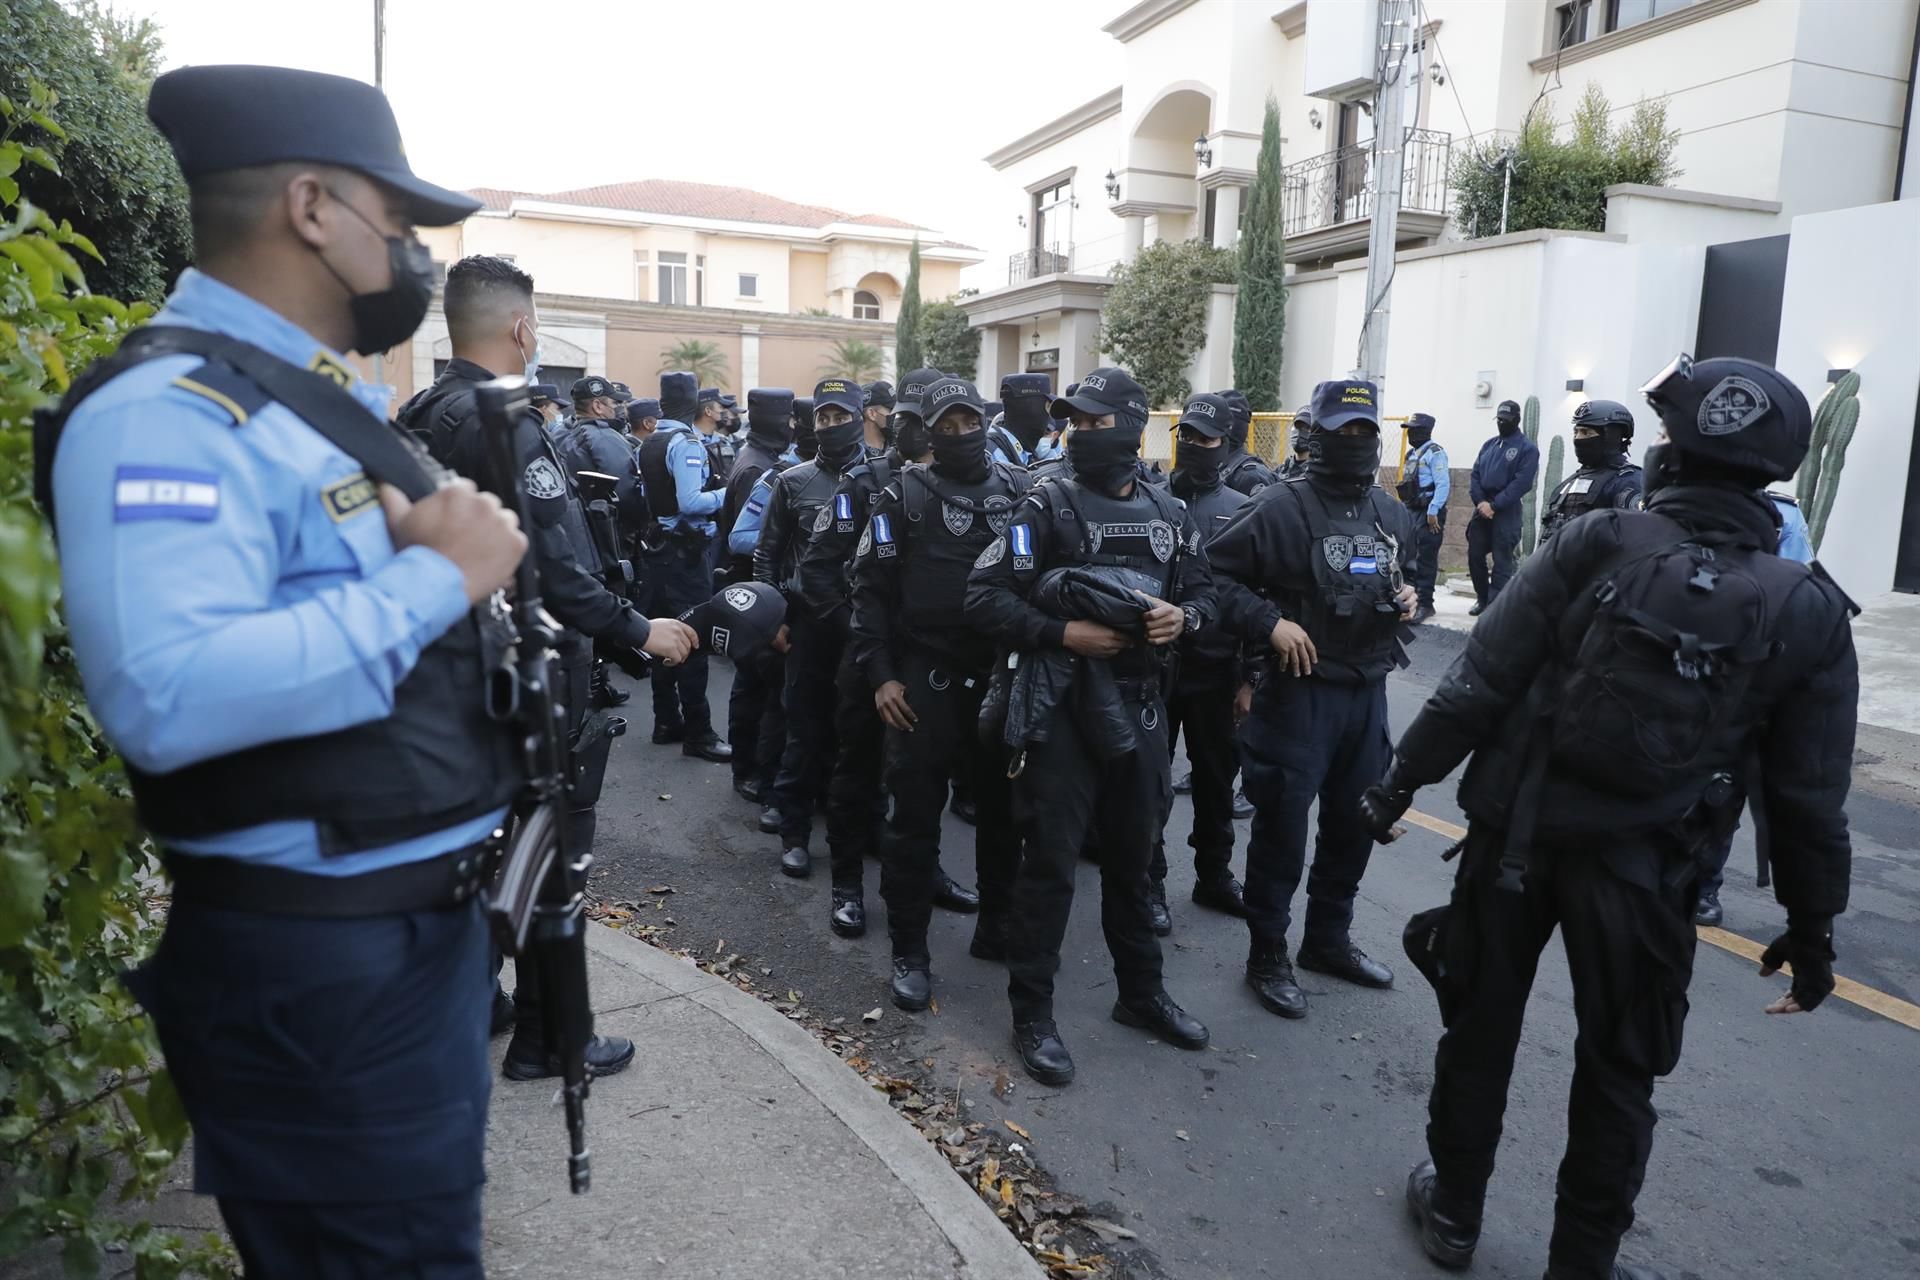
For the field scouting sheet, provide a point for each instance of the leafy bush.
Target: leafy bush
(1561, 182)
(117, 182)
(84, 1108)
(948, 343)
(1155, 320)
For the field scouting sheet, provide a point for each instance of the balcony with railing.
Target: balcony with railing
(1327, 201)
(1041, 260)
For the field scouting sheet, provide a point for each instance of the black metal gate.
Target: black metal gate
(1740, 299)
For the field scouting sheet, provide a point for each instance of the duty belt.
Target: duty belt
(433, 884)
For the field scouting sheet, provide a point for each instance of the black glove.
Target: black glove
(635, 663)
(1384, 803)
(1809, 949)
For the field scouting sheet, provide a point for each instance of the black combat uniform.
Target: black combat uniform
(910, 580)
(1325, 551)
(1606, 480)
(1098, 759)
(1594, 814)
(800, 507)
(756, 722)
(1208, 673)
(1242, 471)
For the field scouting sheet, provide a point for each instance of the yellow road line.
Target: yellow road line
(1892, 1008)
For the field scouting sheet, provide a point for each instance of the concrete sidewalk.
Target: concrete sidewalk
(735, 1146)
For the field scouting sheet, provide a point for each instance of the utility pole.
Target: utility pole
(379, 82)
(1393, 48)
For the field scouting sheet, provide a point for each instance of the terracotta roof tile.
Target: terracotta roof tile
(700, 200)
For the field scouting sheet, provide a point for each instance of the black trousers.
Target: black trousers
(757, 718)
(1063, 793)
(1498, 539)
(806, 762)
(856, 803)
(1310, 738)
(1427, 568)
(426, 1238)
(944, 745)
(680, 580)
(1627, 928)
(1205, 712)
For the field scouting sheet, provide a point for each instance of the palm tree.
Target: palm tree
(704, 360)
(854, 360)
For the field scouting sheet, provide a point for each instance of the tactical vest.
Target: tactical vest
(656, 472)
(810, 489)
(948, 525)
(1137, 536)
(1350, 613)
(1416, 497)
(1204, 654)
(1588, 489)
(437, 760)
(1246, 474)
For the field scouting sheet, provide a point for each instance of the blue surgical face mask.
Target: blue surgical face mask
(533, 361)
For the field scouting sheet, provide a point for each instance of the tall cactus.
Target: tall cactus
(1831, 446)
(1529, 528)
(1840, 403)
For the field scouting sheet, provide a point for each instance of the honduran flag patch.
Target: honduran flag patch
(164, 493)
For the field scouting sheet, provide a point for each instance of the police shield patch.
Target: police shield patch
(996, 552)
(1161, 538)
(739, 598)
(821, 521)
(957, 519)
(542, 479)
(1734, 404)
(999, 512)
(1338, 550)
(866, 542)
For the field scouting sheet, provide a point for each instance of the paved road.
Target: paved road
(1786, 1146)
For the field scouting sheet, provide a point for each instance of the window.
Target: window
(1049, 220)
(1578, 21)
(439, 272)
(673, 280)
(700, 280)
(749, 285)
(865, 305)
(642, 264)
(1213, 206)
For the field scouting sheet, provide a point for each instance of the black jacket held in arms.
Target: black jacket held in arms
(1798, 724)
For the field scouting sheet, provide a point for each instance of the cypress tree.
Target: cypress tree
(1260, 311)
(906, 328)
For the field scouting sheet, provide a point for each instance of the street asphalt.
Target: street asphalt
(1786, 1145)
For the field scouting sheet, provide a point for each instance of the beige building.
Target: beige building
(626, 271)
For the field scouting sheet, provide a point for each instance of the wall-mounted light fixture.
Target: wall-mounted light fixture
(1834, 375)
(1201, 151)
(1313, 116)
(1022, 219)
(1113, 186)
(1036, 331)
(1436, 74)
(1576, 384)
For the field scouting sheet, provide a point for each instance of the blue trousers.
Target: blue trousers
(426, 1238)
(680, 580)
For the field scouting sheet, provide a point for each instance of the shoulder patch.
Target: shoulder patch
(542, 479)
(324, 364)
(349, 496)
(995, 552)
(236, 394)
(164, 493)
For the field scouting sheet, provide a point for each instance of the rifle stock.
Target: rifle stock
(538, 901)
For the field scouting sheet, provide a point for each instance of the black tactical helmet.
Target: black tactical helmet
(1735, 413)
(1601, 414)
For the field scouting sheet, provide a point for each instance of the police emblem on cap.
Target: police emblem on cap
(1734, 404)
(1199, 409)
(739, 598)
(949, 391)
(1160, 537)
(999, 512)
(1338, 550)
(1095, 381)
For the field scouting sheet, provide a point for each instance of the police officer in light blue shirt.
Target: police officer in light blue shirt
(284, 648)
(1425, 486)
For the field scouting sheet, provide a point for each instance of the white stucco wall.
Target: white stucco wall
(1852, 301)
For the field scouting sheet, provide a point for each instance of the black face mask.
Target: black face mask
(911, 437)
(1507, 425)
(1026, 417)
(1196, 470)
(1417, 436)
(1346, 460)
(1104, 459)
(839, 447)
(773, 437)
(387, 317)
(962, 457)
(1597, 452)
(1660, 468)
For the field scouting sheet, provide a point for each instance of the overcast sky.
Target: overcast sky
(868, 106)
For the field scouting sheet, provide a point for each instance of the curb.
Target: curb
(984, 1244)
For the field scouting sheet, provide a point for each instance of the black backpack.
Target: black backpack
(1652, 697)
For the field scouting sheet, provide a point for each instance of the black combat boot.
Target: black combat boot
(950, 895)
(1220, 893)
(769, 821)
(1158, 917)
(1707, 910)
(1042, 1052)
(1165, 1019)
(747, 789)
(1242, 807)
(707, 746)
(1270, 974)
(797, 862)
(527, 1060)
(1621, 1271)
(503, 1017)
(1183, 785)
(849, 913)
(1347, 962)
(912, 982)
(1447, 1234)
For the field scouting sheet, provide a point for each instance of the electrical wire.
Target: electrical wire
(1426, 20)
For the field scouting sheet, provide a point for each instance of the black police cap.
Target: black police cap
(591, 387)
(1341, 400)
(948, 394)
(739, 622)
(641, 409)
(1106, 390)
(543, 391)
(220, 118)
(1015, 385)
(878, 394)
(912, 387)
(1209, 413)
(1416, 421)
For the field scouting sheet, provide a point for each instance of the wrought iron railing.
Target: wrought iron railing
(1337, 186)
(1042, 260)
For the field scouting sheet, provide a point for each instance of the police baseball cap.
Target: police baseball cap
(708, 395)
(729, 402)
(639, 409)
(1415, 421)
(912, 387)
(770, 407)
(543, 391)
(739, 622)
(591, 387)
(1209, 413)
(220, 118)
(878, 394)
(1508, 411)
(948, 394)
(1340, 401)
(838, 391)
(1105, 390)
(1242, 410)
(622, 393)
